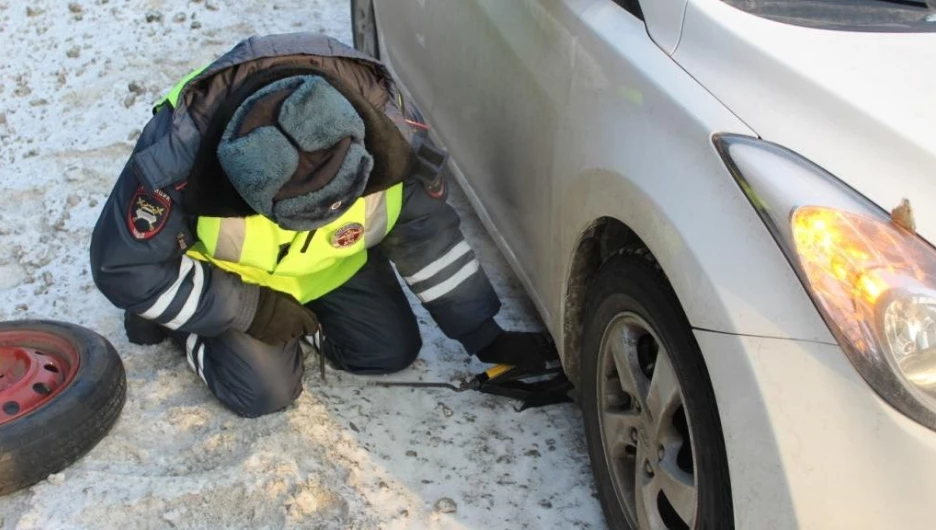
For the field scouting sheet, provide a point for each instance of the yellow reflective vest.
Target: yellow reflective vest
(306, 265)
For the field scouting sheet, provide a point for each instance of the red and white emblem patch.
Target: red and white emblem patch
(347, 235)
(148, 213)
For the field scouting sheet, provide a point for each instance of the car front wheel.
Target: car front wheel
(652, 424)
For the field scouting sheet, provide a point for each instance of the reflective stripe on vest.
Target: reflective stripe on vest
(306, 265)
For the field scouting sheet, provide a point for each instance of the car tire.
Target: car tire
(632, 318)
(62, 388)
(364, 26)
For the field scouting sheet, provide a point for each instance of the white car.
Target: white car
(698, 196)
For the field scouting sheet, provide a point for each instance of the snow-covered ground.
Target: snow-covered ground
(76, 84)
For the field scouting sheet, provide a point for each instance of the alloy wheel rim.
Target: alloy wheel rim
(645, 428)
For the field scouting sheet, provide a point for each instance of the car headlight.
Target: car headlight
(873, 281)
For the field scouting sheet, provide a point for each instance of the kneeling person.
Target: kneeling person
(264, 201)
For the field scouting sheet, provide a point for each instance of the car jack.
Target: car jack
(533, 389)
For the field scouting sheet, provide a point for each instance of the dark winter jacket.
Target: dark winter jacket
(138, 247)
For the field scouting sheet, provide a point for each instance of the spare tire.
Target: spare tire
(62, 388)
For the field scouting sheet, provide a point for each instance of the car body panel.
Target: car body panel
(585, 119)
(865, 102)
(680, 201)
(664, 19)
(500, 128)
(558, 113)
(811, 447)
(402, 45)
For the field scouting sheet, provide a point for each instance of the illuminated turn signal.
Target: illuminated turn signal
(848, 256)
(877, 281)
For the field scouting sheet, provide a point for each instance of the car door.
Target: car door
(492, 77)
(502, 82)
(403, 46)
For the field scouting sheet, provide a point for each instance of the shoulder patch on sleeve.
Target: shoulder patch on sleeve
(147, 213)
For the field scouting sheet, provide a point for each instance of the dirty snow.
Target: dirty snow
(76, 86)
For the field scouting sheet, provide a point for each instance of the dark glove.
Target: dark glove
(280, 318)
(529, 351)
(142, 331)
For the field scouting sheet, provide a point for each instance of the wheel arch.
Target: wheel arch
(726, 271)
(601, 239)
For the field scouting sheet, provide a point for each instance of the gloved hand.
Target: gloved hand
(527, 350)
(142, 331)
(280, 318)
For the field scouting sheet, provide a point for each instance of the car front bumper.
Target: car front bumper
(810, 445)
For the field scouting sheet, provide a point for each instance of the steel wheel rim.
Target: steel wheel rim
(645, 429)
(35, 366)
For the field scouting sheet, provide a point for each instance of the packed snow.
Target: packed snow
(76, 86)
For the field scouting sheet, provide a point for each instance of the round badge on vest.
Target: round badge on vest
(347, 235)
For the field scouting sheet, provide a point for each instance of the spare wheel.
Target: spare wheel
(61, 389)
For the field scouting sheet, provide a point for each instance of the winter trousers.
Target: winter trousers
(368, 324)
(370, 329)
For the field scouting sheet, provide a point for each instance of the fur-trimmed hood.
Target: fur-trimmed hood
(186, 156)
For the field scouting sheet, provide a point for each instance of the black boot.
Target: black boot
(527, 350)
(142, 331)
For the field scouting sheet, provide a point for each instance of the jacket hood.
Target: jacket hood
(187, 153)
